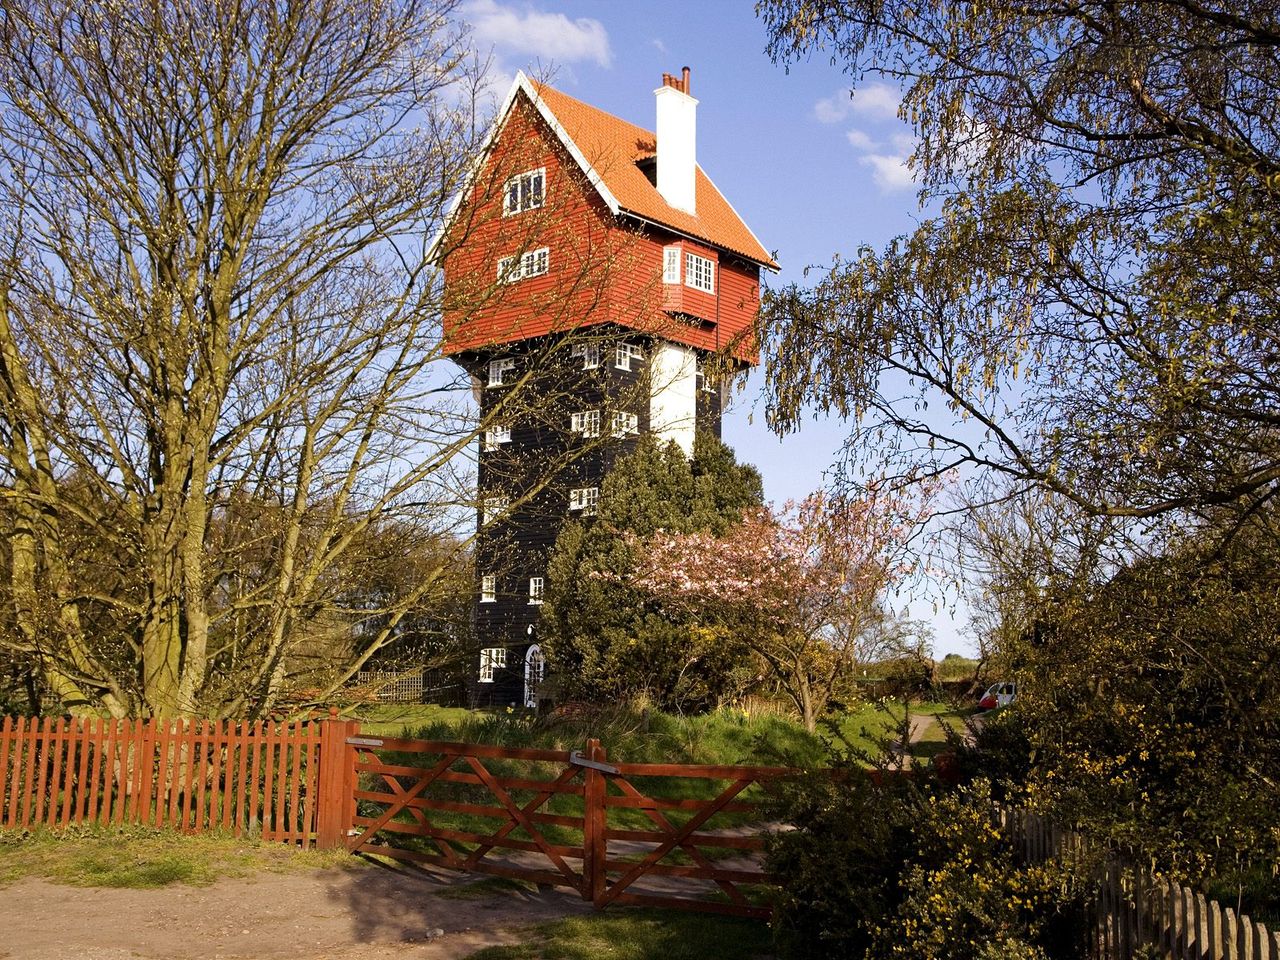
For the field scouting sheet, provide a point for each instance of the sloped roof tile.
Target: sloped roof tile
(612, 147)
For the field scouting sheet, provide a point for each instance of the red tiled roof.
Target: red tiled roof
(612, 146)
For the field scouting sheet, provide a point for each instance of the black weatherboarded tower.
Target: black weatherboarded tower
(592, 270)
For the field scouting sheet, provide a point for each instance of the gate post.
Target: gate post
(335, 803)
(595, 822)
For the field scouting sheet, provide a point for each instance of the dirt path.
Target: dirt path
(365, 914)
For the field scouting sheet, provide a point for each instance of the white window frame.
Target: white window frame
(671, 264)
(494, 437)
(531, 263)
(524, 200)
(535, 263)
(537, 588)
(494, 507)
(590, 353)
(625, 354)
(625, 424)
(584, 499)
(585, 422)
(489, 588)
(699, 272)
(498, 370)
(491, 659)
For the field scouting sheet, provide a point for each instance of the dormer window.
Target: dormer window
(495, 436)
(586, 423)
(494, 508)
(491, 660)
(531, 264)
(704, 383)
(524, 192)
(588, 353)
(699, 273)
(625, 424)
(584, 499)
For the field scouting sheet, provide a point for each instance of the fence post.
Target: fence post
(594, 823)
(335, 804)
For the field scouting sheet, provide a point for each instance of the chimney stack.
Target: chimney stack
(676, 130)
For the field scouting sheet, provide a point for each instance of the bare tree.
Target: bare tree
(221, 360)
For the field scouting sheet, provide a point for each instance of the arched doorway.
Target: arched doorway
(535, 668)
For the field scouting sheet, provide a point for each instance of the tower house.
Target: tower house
(595, 278)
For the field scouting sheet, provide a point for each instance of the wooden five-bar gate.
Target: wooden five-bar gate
(634, 833)
(687, 836)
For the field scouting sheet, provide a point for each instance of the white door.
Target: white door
(535, 667)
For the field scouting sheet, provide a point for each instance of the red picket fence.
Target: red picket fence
(567, 818)
(245, 778)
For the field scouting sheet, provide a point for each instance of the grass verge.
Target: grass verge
(639, 935)
(139, 858)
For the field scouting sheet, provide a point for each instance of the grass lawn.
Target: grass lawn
(630, 934)
(140, 858)
(392, 719)
(726, 736)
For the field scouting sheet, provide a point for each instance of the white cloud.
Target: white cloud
(659, 45)
(859, 140)
(903, 143)
(878, 100)
(834, 108)
(548, 36)
(889, 171)
(887, 158)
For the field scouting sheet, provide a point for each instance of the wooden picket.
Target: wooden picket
(191, 776)
(1136, 912)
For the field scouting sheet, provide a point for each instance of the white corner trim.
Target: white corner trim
(673, 394)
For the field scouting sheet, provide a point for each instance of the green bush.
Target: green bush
(1151, 706)
(885, 864)
(606, 641)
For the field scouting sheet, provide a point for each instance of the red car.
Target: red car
(998, 695)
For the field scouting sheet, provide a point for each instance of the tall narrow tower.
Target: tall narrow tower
(592, 271)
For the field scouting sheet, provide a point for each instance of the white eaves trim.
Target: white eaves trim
(521, 84)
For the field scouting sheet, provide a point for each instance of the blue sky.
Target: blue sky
(811, 170)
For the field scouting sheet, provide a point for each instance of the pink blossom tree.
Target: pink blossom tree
(804, 585)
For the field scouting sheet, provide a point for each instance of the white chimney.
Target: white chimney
(677, 158)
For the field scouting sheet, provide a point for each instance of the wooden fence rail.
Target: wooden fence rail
(195, 776)
(1139, 915)
(609, 831)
